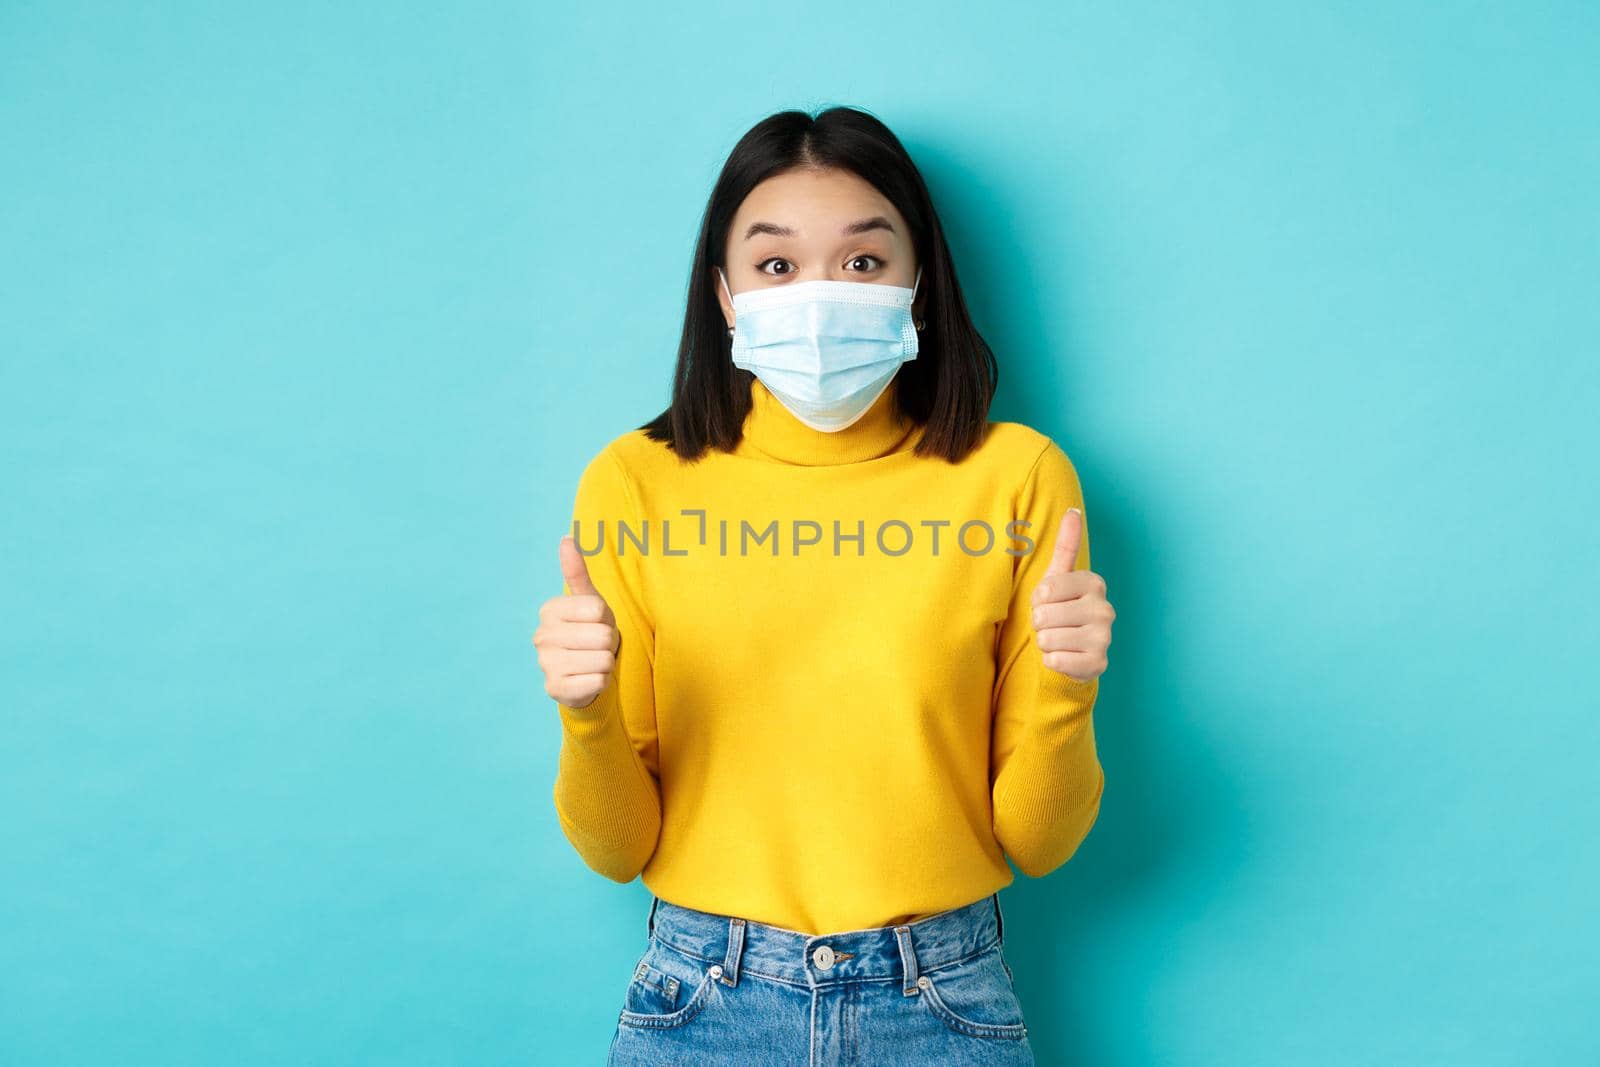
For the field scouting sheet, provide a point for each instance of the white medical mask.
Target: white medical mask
(826, 349)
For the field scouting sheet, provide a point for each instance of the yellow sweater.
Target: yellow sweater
(816, 739)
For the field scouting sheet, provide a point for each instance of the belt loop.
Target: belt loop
(651, 922)
(908, 959)
(999, 920)
(730, 963)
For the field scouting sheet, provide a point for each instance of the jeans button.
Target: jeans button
(822, 957)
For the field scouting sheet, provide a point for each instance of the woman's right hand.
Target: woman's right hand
(577, 637)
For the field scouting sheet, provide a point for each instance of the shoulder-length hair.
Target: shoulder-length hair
(947, 388)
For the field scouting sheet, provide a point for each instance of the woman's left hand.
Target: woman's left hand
(1071, 614)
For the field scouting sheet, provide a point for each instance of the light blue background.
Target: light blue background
(312, 313)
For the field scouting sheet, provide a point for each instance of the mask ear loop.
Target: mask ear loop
(919, 323)
(722, 276)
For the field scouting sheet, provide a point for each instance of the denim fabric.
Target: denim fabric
(717, 989)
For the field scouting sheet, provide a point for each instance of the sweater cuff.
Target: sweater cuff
(595, 718)
(1057, 687)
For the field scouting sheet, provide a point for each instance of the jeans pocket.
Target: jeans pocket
(652, 991)
(667, 989)
(975, 997)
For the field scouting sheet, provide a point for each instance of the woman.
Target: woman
(829, 647)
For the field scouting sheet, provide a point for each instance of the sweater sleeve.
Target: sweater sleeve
(1045, 774)
(607, 791)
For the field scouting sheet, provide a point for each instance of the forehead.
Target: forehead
(817, 204)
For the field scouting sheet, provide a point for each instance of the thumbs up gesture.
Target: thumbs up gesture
(1071, 614)
(577, 637)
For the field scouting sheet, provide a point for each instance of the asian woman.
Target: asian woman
(829, 645)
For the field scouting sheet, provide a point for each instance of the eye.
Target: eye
(875, 259)
(762, 266)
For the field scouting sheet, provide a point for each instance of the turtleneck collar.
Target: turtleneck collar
(772, 432)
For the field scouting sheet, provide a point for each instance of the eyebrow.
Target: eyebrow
(876, 222)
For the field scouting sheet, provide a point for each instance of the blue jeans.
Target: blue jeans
(717, 989)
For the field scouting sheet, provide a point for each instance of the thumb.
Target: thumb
(575, 570)
(1068, 537)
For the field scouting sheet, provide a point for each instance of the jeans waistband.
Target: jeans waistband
(902, 951)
